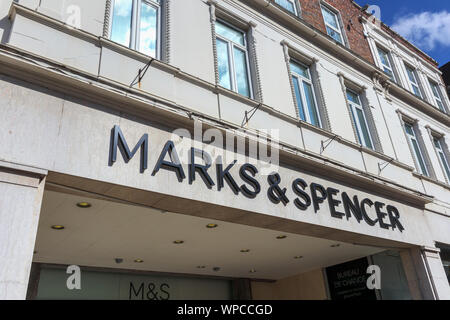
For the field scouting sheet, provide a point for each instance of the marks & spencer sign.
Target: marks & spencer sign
(307, 194)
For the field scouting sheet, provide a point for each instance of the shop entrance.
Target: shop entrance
(127, 251)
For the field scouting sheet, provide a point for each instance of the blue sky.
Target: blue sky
(426, 23)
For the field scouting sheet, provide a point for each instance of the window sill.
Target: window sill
(432, 180)
(419, 103)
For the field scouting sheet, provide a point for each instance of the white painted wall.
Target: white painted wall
(191, 52)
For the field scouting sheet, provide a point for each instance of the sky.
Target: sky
(425, 23)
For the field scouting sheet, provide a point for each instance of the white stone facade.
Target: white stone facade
(63, 89)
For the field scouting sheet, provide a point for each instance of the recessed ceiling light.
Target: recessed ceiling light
(178, 242)
(84, 205)
(335, 245)
(281, 237)
(298, 257)
(245, 250)
(211, 225)
(138, 260)
(57, 227)
(252, 271)
(216, 269)
(201, 267)
(118, 260)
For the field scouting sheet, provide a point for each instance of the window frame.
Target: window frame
(300, 78)
(338, 22)
(432, 84)
(135, 23)
(230, 48)
(443, 160)
(389, 59)
(419, 149)
(295, 4)
(410, 82)
(356, 120)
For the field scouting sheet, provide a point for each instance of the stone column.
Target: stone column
(21, 191)
(425, 274)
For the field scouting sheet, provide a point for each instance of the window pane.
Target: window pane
(148, 31)
(440, 105)
(355, 122)
(240, 67)
(311, 104)
(445, 164)
(300, 70)
(230, 33)
(419, 157)
(298, 98)
(437, 144)
(353, 97)
(389, 73)
(330, 18)
(364, 129)
(435, 90)
(223, 61)
(409, 130)
(335, 35)
(384, 57)
(416, 91)
(288, 5)
(411, 75)
(121, 24)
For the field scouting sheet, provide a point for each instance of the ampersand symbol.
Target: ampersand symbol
(151, 290)
(275, 193)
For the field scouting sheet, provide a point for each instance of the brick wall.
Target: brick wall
(312, 14)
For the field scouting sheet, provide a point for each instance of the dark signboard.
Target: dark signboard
(347, 281)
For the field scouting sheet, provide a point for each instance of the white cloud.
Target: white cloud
(122, 8)
(426, 29)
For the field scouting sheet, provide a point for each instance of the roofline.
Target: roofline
(401, 37)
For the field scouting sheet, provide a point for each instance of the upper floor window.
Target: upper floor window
(304, 93)
(386, 63)
(136, 24)
(442, 156)
(437, 96)
(359, 119)
(289, 5)
(232, 59)
(332, 24)
(413, 80)
(415, 146)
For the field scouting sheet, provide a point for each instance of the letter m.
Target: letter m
(118, 142)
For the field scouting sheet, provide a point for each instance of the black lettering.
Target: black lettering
(151, 293)
(225, 175)
(162, 288)
(118, 142)
(202, 169)
(351, 207)
(333, 203)
(381, 215)
(316, 200)
(249, 180)
(136, 294)
(173, 165)
(275, 192)
(394, 217)
(298, 186)
(366, 217)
